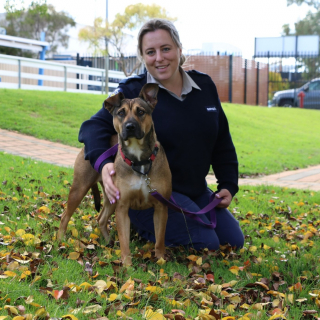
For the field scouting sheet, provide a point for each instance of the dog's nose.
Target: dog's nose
(130, 126)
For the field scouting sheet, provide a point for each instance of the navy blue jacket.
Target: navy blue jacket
(194, 134)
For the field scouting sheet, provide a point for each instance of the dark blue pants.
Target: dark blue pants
(183, 230)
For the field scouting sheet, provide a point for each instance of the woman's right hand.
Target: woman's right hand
(111, 191)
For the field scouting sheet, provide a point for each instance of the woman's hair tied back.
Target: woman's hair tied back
(156, 24)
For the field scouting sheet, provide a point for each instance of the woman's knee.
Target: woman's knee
(228, 229)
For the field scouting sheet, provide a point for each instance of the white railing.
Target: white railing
(23, 73)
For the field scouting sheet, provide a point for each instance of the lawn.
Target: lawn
(267, 140)
(275, 275)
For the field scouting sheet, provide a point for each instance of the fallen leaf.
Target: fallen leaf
(74, 255)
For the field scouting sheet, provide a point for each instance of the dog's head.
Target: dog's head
(132, 117)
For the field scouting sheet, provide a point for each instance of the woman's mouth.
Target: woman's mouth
(162, 67)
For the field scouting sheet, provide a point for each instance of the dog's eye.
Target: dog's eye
(141, 112)
(121, 113)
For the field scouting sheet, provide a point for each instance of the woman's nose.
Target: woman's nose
(159, 56)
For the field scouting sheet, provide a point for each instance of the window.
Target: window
(314, 86)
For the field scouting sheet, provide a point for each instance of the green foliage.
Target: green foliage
(309, 25)
(136, 14)
(276, 83)
(267, 140)
(30, 22)
(312, 3)
(286, 29)
(96, 35)
(115, 33)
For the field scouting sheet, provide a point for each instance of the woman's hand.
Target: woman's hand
(111, 191)
(226, 197)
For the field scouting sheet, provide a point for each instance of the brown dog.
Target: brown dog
(140, 165)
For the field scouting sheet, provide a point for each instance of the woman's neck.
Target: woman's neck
(174, 84)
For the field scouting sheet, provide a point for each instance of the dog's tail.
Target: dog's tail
(96, 196)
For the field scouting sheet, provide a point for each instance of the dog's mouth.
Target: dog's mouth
(126, 136)
(130, 132)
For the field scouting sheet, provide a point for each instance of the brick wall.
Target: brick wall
(244, 85)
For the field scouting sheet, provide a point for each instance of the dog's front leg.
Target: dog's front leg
(123, 227)
(160, 218)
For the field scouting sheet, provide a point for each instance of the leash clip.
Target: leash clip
(148, 182)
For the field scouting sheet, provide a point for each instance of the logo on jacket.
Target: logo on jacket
(211, 109)
(117, 90)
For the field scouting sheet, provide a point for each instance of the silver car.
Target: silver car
(292, 97)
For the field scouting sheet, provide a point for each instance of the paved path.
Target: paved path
(59, 154)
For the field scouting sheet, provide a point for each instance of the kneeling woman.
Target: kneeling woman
(193, 129)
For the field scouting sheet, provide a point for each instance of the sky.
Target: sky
(230, 24)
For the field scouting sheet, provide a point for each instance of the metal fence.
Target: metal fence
(23, 73)
(114, 63)
(287, 73)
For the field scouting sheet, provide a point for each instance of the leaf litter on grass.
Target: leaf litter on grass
(274, 276)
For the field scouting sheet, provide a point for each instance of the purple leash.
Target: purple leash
(110, 152)
(172, 205)
(209, 208)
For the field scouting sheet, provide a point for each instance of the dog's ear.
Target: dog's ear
(113, 101)
(149, 93)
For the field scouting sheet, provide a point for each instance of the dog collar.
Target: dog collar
(140, 163)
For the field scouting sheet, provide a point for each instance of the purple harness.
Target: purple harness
(172, 205)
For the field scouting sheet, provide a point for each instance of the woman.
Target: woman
(193, 129)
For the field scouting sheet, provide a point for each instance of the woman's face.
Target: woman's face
(161, 56)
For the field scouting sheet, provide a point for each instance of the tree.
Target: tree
(38, 17)
(276, 83)
(116, 32)
(311, 3)
(309, 25)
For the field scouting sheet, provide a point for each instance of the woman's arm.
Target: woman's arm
(96, 133)
(224, 158)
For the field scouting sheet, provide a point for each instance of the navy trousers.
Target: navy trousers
(185, 231)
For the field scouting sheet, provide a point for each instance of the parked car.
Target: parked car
(290, 98)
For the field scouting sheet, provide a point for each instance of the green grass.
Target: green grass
(267, 140)
(281, 251)
(54, 116)
(272, 140)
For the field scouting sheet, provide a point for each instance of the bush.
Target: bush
(276, 83)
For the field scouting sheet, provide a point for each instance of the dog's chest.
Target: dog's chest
(138, 192)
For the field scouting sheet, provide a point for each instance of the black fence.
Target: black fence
(299, 77)
(115, 63)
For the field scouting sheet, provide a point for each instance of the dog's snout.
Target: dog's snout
(132, 129)
(130, 126)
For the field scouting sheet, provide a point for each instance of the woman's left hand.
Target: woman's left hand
(226, 197)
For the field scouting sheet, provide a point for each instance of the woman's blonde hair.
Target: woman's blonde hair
(156, 24)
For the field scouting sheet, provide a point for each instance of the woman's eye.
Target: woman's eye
(166, 49)
(149, 53)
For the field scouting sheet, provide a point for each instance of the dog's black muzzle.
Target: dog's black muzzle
(132, 129)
